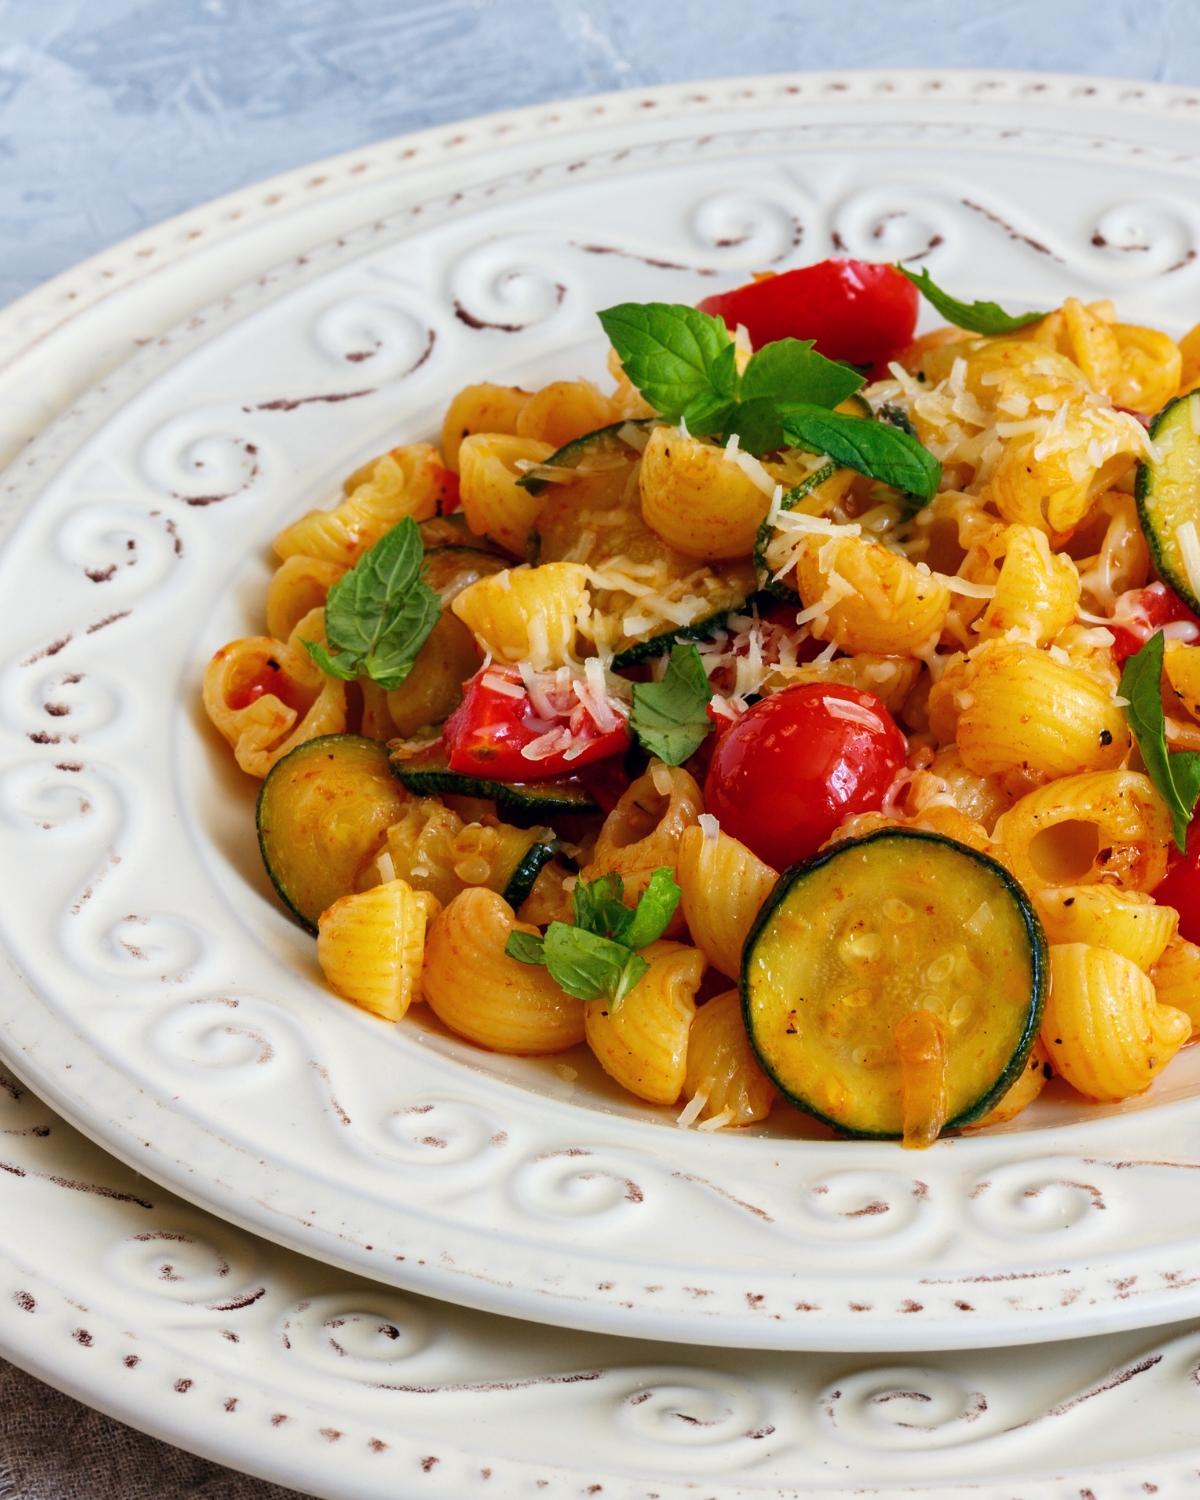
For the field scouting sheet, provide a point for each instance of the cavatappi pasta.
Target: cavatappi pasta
(574, 538)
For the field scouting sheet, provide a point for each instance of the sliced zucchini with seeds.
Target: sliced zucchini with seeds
(428, 774)
(604, 443)
(323, 815)
(434, 849)
(898, 943)
(1168, 496)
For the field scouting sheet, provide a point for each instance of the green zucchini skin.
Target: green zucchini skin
(429, 775)
(1039, 974)
(646, 650)
(571, 454)
(330, 866)
(522, 878)
(768, 585)
(1151, 480)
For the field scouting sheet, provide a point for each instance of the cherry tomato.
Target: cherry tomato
(1180, 887)
(857, 311)
(271, 679)
(1141, 612)
(795, 764)
(488, 733)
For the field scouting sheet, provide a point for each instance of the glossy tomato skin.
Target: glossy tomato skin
(1180, 887)
(1142, 612)
(795, 764)
(856, 310)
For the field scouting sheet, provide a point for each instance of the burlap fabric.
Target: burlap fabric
(52, 1448)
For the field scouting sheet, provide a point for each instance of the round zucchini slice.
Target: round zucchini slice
(898, 936)
(1168, 494)
(323, 815)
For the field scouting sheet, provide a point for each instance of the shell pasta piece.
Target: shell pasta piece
(563, 411)
(480, 408)
(722, 1066)
(643, 1042)
(1037, 591)
(644, 830)
(300, 585)
(724, 887)
(1104, 916)
(1104, 1029)
(527, 614)
(371, 946)
(492, 500)
(867, 598)
(699, 500)
(1176, 978)
(477, 990)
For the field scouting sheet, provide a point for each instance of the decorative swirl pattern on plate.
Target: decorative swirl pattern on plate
(213, 1266)
(696, 1409)
(381, 339)
(358, 1334)
(1145, 237)
(58, 707)
(154, 948)
(219, 1033)
(897, 222)
(577, 1182)
(197, 459)
(509, 285)
(120, 546)
(38, 794)
(440, 1133)
(1048, 1197)
(858, 1205)
(903, 1408)
(748, 227)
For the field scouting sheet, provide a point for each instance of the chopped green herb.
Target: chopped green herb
(670, 717)
(974, 317)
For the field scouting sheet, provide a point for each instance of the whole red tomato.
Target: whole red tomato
(1180, 887)
(855, 310)
(797, 763)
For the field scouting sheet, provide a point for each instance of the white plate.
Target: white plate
(168, 1318)
(158, 996)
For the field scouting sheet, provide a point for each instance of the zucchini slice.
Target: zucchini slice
(323, 815)
(428, 774)
(778, 589)
(1168, 492)
(453, 531)
(601, 446)
(873, 931)
(520, 882)
(451, 568)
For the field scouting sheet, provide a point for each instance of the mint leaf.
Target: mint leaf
(975, 317)
(654, 910)
(670, 717)
(589, 966)
(792, 370)
(876, 449)
(1176, 775)
(674, 354)
(380, 614)
(599, 907)
(526, 948)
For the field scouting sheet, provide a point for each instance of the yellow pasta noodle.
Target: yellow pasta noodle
(1176, 978)
(300, 585)
(566, 410)
(698, 499)
(722, 1067)
(408, 481)
(890, 678)
(868, 598)
(480, 408)
(527, 614)
(1103, 1028)
(643, 1042)
(371, 946)
(432, 848)
(643, 831)
(1037, 592)
(1019, 708)
(1104, 916)
(493, 1000)
(263, 728)
(492, 500)
(1108, 825)
(724, 887)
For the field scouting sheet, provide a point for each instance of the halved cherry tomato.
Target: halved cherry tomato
(795, 764)
(270, 678)
(856, 310)
(1180, 887)
(1142, 612)
(489, 732)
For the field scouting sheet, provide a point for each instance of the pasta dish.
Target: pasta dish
(816, 714)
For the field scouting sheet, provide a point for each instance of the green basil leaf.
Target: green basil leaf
(672, 353)
(708, 413)
(380, 614)
(669, 717)
(654, 910)
(526, 948)
(876, 449)
(757, 425)
(586, 965)
(599, 907)
(974, 317)
(792, 370)
(1176, 775)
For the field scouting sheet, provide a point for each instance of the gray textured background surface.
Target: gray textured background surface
(117, 113)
